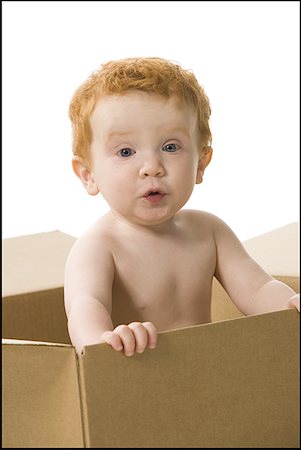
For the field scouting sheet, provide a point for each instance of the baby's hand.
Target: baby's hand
(133, 337)
(295, 301)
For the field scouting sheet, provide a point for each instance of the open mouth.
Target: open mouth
(154, 196)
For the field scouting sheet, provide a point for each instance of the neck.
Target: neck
(166, 227)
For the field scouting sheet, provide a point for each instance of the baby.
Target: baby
(141, 138)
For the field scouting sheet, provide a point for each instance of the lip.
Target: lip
(153, 191)
(154, 195)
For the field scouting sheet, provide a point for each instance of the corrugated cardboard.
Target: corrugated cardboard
(40, 398)
(223, 385)
(33, 279)
(232, 383)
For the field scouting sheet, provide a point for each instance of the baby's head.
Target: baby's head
(151, 75)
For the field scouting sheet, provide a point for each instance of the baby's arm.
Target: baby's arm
(248, 285)
(273, 296)
(88, 302)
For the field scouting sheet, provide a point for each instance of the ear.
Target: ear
(83, 172)
(205, 158)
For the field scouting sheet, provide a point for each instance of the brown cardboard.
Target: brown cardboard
(40, 399)
(228, 384)
(32, 292)
(277, 251)
(231, 383)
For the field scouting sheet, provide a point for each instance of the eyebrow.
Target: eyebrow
(177, 130)
(170, 131)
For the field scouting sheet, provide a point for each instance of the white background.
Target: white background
(245, 54)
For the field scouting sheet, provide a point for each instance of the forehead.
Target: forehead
(140, 109)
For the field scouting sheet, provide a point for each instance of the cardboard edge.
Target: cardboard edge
(243, 317)
(83, 401)
(287, 311)
(7, 341)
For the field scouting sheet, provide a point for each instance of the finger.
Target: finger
(113, 339)
(127, 338)
(141, 336)
(152, 334)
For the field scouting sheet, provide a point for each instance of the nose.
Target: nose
(152, 167)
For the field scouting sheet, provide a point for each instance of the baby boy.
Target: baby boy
(141, 138)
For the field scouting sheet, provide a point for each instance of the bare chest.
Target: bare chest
(168, 284)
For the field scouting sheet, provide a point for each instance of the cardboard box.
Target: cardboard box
(228, 384)
(232, 383)
(33, 280)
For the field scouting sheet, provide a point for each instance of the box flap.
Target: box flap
(277, 251)
(226, 384)
(37, 316)
(25, 342)
(35, 262)
(40, 397)
(33, 294)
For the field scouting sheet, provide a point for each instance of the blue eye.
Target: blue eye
(170, 148)
(126, 152)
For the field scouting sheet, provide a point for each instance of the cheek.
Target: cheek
(184, 181)
(187, 170)
(115, 183)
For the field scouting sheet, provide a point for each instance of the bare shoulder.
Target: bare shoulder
(89, 268)
(94, 244)
(207, 226)
(202, 220)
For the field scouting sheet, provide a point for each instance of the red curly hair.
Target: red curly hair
(152, 75)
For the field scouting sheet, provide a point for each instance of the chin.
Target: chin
(154, 218)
